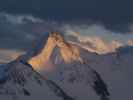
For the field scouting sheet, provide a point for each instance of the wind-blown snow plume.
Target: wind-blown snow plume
(100, 46)
(96, 44)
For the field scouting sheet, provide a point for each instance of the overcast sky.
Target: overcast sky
(108, 11)
(99, 17)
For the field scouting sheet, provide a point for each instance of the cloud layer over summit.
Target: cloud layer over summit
(112, 11)
(18, 31)
(115, 14)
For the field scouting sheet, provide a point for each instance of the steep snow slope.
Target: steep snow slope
(74, 80)
(19, 80)
(115, 69)
(20, 77)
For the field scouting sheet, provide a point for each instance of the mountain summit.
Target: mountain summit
(22, 77)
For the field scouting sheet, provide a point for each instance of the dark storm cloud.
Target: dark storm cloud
(115, 14)
(21, 31)
(109, 11)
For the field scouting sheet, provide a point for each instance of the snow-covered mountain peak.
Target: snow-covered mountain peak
(67, 51)
(21, 77)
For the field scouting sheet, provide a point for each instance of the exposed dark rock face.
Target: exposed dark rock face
(100, 87)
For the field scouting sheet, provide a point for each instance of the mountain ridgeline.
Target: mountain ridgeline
(22, 77)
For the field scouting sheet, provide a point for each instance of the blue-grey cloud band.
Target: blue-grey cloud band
(19, 31)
